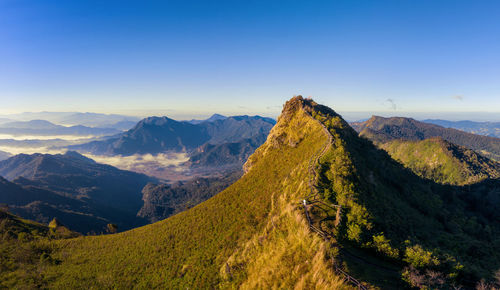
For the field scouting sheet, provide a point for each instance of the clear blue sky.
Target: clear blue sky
(173, 57)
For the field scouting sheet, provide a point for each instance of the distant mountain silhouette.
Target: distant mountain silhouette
(4, 155)
(482, 128)
(122, 125)
(46, 128)
(98, 120)
(212, 118)
(381, 130)
(159, 134)
(72, 118)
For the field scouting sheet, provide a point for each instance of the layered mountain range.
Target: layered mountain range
(46, 128)
(75, 118)
(84, 194)
(159, 134)
(443, 161)
(482, 128)
(317, 207)
(381, 130)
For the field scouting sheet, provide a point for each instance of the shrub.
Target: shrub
(419, 258)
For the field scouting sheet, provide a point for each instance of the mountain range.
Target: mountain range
(73, 118)
(442, 161)
(84, 194)
(317, 207)
(4, 155)
(212, 118)
(218, 143)
(154, 135)
(382, 130)
(482, 128)
(46, 128)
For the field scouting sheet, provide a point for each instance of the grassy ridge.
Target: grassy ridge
(192, 249)
(449, 231)
(443, 162)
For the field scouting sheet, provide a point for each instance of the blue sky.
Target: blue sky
(199, 57)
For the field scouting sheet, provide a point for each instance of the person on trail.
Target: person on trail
(305, 202)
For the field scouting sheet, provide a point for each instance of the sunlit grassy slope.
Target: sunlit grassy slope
(442, 161)
(252, 234)
(434, 233)
(26, 247)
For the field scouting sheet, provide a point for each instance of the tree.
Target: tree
(112, 228)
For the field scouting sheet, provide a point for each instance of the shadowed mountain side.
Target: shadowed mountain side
(43, 205)
(420, 225)
(164, 200)
(78, 176)
(381, 130)
(234, 129)
(233, 154)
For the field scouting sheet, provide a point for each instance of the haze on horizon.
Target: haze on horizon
(422, 59)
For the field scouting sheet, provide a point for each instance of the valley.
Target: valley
(250, 145)
(396, 207)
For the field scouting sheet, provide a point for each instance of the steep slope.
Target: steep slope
(447, 231)
(258, 214)
(385, 223)
(442, 161)
(381, 130)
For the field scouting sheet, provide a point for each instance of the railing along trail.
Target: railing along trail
(313, 198)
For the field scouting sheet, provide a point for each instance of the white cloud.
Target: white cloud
(143, 162)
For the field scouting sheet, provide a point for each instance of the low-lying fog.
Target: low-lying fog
(165, 166)
(46, 137)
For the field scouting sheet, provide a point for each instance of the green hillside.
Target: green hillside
(443, 161)
(435, 233)
(25, 248)
(252, 229)
(394, 229)
(382, 130)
